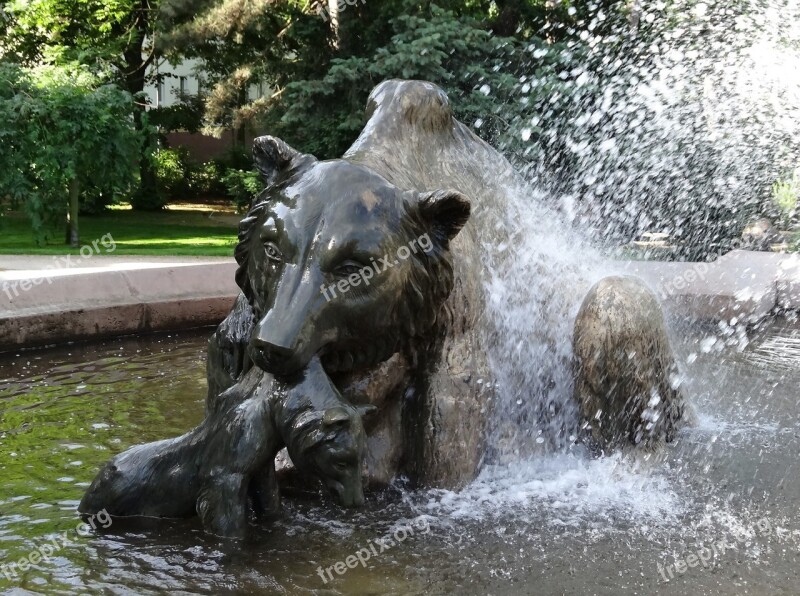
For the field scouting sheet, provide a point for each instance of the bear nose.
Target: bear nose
(274, 358)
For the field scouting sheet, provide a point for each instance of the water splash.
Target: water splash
(535, 280)
(565, 490)
(678, 121)
(680, 124)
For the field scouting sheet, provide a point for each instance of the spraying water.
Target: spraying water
(681, 120)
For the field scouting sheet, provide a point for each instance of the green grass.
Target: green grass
(169, 233)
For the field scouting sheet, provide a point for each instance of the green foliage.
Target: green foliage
(178, 177)
(171, 168)
(237, 158)
(785, 195)
(794, 243)
(243, 186)
(92, 32)
(94, 199)
(151, 198)
(205, 180)
(60, 125)
(480, 71)
(186, 115)
(113, 39)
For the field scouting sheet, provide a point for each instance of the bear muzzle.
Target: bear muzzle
(276, 359)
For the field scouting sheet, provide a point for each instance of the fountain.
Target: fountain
(292, 346)
(713, 512)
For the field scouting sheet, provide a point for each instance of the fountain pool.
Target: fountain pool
(719, 504)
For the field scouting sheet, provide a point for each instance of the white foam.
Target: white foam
(563, 490)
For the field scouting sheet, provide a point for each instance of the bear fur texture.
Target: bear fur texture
(398, 202)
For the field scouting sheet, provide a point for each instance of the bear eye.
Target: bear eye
(348, 268)
(273, 253)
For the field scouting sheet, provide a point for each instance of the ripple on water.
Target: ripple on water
(532, 518)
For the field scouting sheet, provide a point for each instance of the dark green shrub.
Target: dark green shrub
(242, 186)
(95, 200)
(205, 180)
(172, 168)
(236, 158)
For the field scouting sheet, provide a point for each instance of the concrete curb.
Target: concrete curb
(741, 285)
(138, 297)
(111, 301)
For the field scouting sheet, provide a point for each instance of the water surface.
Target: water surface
(727, 491)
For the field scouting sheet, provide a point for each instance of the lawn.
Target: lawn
(184, 230)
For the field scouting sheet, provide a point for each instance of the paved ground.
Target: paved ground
(58, 263)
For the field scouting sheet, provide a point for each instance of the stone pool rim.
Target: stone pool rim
(118, 296)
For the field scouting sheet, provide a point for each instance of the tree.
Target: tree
(241, 43)
(61, 130)
(481, 72)
(320, 69)
(110, 37)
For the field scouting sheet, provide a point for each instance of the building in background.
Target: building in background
(168, 84)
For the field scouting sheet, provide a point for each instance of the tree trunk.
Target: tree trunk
(135, 67)
(74, 205)
(148, 187)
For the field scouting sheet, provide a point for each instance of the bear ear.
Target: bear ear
(271, 156)
(446, 211)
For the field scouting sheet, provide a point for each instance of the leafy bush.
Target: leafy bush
(186, 114)
(171, 167)
(149, 200)
(94, 199)
(784, 195)
(236, 158)
(242, 186)
(178, 177)
(205, 180)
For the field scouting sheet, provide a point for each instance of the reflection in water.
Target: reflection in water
(560, 522)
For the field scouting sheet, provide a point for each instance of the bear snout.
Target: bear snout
(274, 359)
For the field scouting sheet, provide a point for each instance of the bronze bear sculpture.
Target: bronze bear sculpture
(361, 280)
(228, 460)
(626, 380)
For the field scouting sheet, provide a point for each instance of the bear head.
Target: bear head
(338, 262)
(330, 446)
